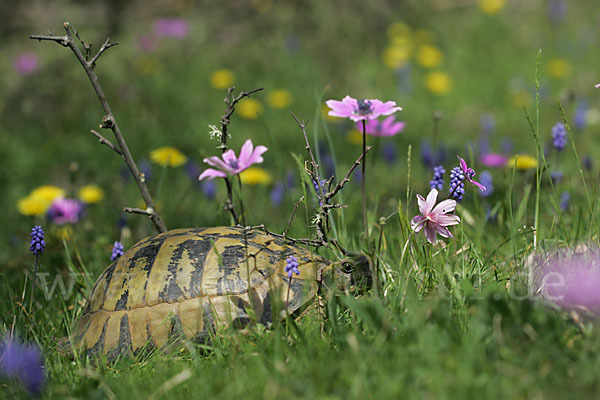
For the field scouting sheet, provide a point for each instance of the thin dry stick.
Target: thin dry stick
(108, 121)
(287, 228)
(230, 103)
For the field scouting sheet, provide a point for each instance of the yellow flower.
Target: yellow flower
(255, 176)
(354, 137)
(91, 194)
(47, 193)
(523, 161)
(249, 108)
(168, 157)
(429, 56)
(279, 98)
(438, 82)
(32, 206)
(396, 56)
(491, 6)
(398, 30)
(521, 98)
(222, 79)
(558, 67)
(64, 232)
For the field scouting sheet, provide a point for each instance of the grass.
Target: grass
(450, 321)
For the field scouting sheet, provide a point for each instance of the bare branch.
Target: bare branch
(107, 45)
(149, 211)
(106, 142)
(341, 183)
(230, 103)
(287, 228)
(109, 121)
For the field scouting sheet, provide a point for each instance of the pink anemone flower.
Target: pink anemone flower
(493, 160)
(230, 164)
(434, 219)
(64, 211)
(359, 110)
(469, 174)
(387, 127)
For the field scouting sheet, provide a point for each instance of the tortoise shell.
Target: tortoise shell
(185, 282)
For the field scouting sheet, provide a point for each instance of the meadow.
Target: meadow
(508, 86)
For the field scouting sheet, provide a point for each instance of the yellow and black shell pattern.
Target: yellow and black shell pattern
(183, 283)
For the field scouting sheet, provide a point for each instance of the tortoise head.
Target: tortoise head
(352, 274)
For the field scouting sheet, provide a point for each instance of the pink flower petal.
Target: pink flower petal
(423, 207)
(431, 199)
(416, 224)
(463, 165)
(479, 185)
(216, 162)
(447, 220)
(430, 232)
(444, 232)
(245, 154)
(444, 207)
(211, 174)
(493, 160)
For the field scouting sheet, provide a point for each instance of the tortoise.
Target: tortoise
(184, 283)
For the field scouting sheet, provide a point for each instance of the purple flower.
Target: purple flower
(24, 363)
(177, 28)
(559, 136)
(64, 211)
(565, 198)
(469, 174)
(387, 127)
(359, 110)
(389, 152)
(277, 194)
(38, 244)
(230, 164)
(430, 157)
(457, 185)
(438, 178)
(434, 219)
(291, 266)
(210, 189)
(146, 43)
(557, 10)
(26, 63)
(488, 123)
(570, 280)
(579, 118)
(486, 180)
(117, 250)
(587, 162)
(493, 160)
(556, 176)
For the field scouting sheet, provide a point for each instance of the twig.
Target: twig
(230, 103)
(346, 179)
(287, 228)
(106, 142)
(108, 121)
(148, 212)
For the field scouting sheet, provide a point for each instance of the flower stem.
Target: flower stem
(33, 284)
(363, 181)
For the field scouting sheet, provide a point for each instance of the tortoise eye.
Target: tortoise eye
(347, 267)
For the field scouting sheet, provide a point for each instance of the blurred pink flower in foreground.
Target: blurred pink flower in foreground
(387, 127)
(434, 219)
(64, 211)
(26, 63)
(230, 164)
(177, 28)
(597, 85)
(570, 280)
(359, 110)
(493, 160)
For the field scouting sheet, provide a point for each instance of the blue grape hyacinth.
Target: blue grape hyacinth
(291, 266)
(559, 136)
(38, 244)
(438, 178)
(457, 185)
(117, 250)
